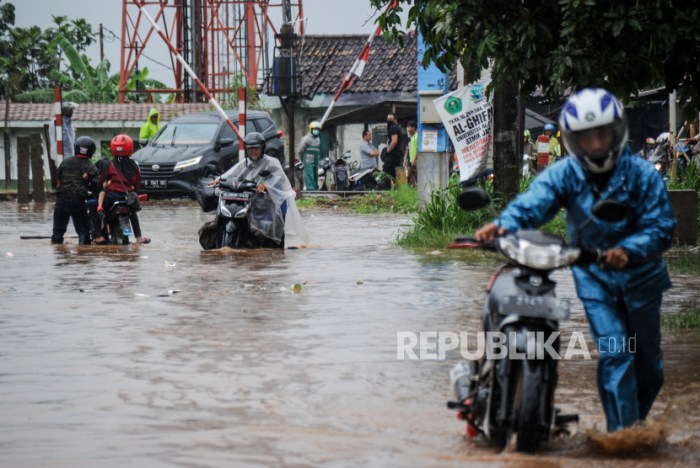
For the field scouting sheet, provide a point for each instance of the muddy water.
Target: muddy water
(165, 355)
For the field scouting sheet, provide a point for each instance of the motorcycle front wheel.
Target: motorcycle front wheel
(533, 405)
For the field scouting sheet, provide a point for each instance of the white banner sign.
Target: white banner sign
(467, 116)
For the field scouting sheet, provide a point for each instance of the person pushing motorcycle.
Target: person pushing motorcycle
(269, 176)
(621, 294)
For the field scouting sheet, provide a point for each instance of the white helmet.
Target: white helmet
(589, 109)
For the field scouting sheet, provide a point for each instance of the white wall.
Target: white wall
(98, 134)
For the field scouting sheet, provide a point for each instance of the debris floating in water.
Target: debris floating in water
(360, 281)
(141, 295)
(169, 264)
(296, 288)
(9, 254)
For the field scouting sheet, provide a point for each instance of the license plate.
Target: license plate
(154, 183)
(236, 196)
(536, 306)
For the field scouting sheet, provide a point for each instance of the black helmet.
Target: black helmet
(84, 147)
(255, 140)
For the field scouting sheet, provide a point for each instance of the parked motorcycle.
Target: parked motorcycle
(298, 173)
(514, 395)
(244, 218)
(341, 172)
(325, 174)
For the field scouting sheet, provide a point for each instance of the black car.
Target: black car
(176, 157)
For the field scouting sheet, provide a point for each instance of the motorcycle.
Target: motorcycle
(244, 217)
(115, 224)
(511, 394)
(341, 172)
(298, 173)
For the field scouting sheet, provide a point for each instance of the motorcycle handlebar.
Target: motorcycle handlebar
(587, 257)
(472, 243)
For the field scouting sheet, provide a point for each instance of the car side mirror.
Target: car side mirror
(143, 142)
(224, 142)
(473, 199)
(610, 210)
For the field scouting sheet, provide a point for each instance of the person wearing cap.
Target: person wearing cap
(67, 132)
(621, 294)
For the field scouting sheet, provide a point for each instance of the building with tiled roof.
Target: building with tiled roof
(98, 121)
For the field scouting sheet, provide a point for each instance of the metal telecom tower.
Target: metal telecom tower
(226, 42)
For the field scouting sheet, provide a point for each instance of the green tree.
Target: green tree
(623, 45)
(84, 83)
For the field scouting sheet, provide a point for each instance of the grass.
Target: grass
(688, 319)
(404, 200)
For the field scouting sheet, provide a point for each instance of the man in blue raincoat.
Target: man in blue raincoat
(622, 294)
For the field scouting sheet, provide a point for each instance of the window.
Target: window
(186, 134)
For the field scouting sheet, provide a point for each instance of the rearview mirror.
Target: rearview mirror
(473, 199)
(610, 210)
(225, 142)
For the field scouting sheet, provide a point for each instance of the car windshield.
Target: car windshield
(187, 134)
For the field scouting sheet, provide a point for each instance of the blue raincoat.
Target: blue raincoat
(622, 306)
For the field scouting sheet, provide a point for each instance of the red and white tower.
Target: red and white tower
(226, 42)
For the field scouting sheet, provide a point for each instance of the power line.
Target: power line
(115, 36)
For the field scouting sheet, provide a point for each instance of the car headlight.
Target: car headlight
(187, 163)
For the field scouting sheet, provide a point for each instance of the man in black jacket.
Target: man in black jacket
(74, 173)
(394, 150)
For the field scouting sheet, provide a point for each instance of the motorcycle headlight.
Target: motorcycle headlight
(187, 163)
(540, 257)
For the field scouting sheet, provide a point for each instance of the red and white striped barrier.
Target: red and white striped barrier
(241, 121)
(58, 127)
(358, 67)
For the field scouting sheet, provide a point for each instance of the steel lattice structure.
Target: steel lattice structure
(226, 42)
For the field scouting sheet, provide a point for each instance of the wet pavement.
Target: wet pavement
(166, 355)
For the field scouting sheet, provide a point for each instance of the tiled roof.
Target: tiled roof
(328, 58)
(100, 112)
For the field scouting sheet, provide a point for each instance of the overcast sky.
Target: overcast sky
(322, 17)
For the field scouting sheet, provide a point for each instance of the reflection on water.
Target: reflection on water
(163, 354)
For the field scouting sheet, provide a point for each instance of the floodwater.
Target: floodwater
(166, 355)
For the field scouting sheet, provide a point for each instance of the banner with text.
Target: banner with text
(467, 116)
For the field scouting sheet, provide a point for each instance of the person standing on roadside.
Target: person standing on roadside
(67, 132)
(310, 153)
(411, 153)
(74, 174)
(394, 154)
(152, 125)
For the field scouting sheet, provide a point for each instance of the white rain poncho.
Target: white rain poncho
(280, 190)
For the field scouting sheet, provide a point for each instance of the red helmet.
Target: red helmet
(122, 145)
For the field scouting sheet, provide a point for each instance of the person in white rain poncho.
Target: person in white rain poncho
(255, 167)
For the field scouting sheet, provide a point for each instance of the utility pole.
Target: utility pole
(285, 85)
(102, 44)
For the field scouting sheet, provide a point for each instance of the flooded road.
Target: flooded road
(166, 355)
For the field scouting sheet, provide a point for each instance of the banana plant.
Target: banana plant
(92, 84)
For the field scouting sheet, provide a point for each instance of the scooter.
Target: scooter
(325, 174)
(341, 172)
(234, 225)
(511, 394)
